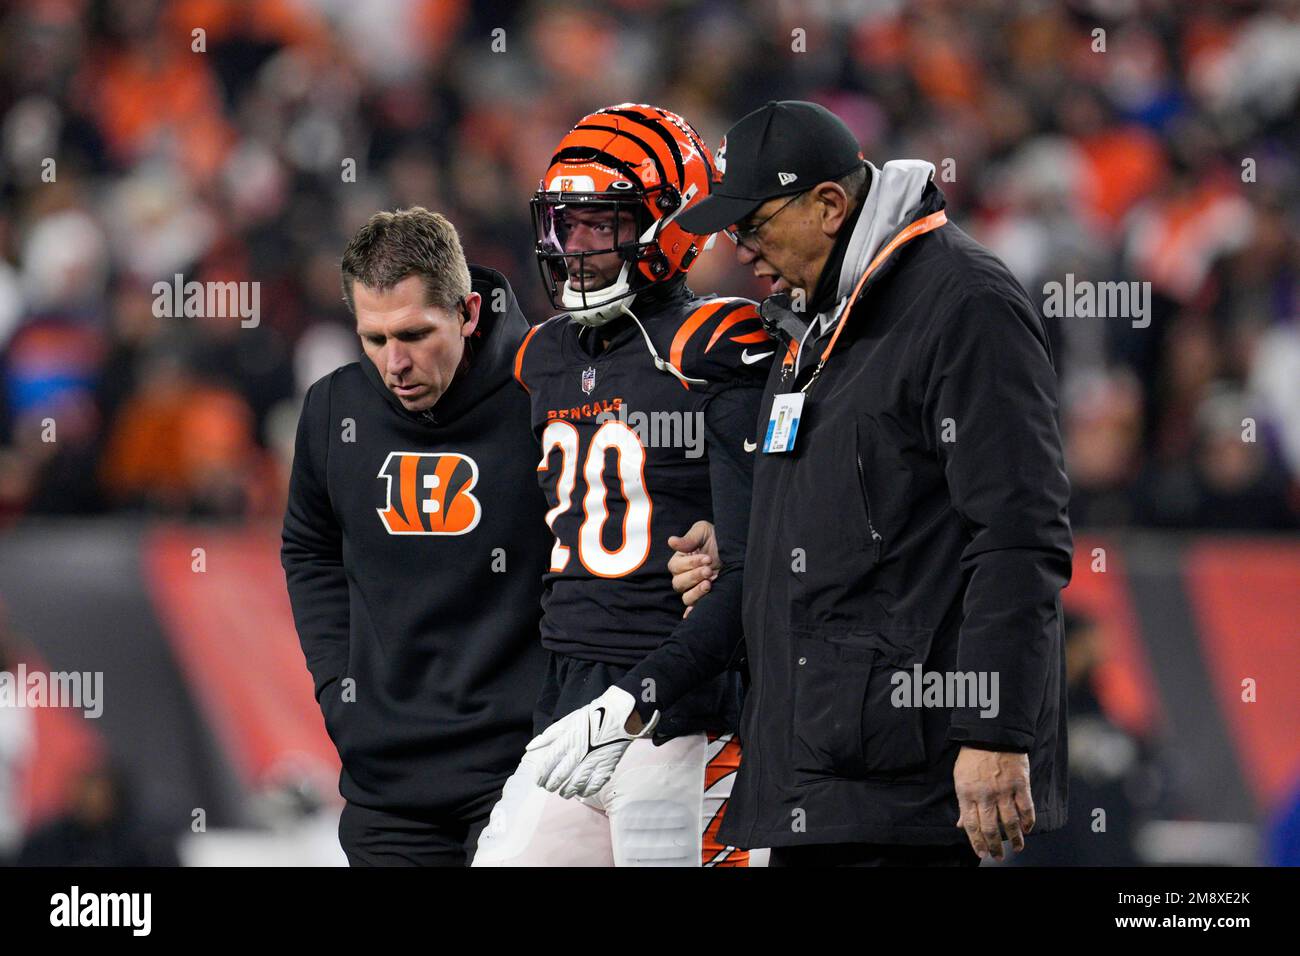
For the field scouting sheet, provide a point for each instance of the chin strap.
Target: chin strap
(606, 310)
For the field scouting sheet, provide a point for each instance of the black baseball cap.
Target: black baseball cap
(783, 148)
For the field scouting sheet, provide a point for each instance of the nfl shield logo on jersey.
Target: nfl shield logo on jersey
(588, 380)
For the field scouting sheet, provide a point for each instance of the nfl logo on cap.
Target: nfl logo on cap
(588, 380)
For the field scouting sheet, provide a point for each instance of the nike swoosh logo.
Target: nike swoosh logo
(601, 722)
(750, 445)
(751, 359)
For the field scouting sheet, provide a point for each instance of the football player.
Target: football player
(624, 385)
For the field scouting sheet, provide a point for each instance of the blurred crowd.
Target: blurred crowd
(231, 140)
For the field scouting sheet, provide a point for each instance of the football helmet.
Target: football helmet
(623, 173)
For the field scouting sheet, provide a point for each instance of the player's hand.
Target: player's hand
(994, 799)
(694, 564)
(577, 754)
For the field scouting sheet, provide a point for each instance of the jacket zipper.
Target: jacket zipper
(876, 539)
(756, 685)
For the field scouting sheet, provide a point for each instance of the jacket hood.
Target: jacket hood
(901, 192)
(501, 329)
(896, 190)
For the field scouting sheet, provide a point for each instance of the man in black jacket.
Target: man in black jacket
(414, 546)
(909, 538)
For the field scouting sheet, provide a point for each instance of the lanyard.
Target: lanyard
(918, 228)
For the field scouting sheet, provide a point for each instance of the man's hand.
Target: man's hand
(993, 790)
(577, 754)
(695, 564)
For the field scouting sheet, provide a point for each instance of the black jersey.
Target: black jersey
(624, 463)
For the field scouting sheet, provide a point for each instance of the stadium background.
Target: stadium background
(1172, 158)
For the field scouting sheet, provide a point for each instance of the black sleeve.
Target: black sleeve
(990, 416)
(312, 549)
(702, 645)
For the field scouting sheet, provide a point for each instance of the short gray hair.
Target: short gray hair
(856, 183)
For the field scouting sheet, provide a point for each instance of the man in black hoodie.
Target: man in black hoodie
(414, 546)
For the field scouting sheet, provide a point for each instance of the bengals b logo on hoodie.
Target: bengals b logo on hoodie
(429, 493)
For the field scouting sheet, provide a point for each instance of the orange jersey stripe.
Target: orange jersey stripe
(692, 323)
(740, 315)
(519, 356)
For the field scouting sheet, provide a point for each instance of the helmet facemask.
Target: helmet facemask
(577, 263)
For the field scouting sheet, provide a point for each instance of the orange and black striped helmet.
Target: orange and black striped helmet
(630, 158)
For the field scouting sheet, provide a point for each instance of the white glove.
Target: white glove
(577, 754)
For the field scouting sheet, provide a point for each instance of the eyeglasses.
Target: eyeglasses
(746, 237)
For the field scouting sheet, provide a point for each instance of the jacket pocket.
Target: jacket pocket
(845, 722)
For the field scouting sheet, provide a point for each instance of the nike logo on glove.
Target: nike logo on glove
(577, 755)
